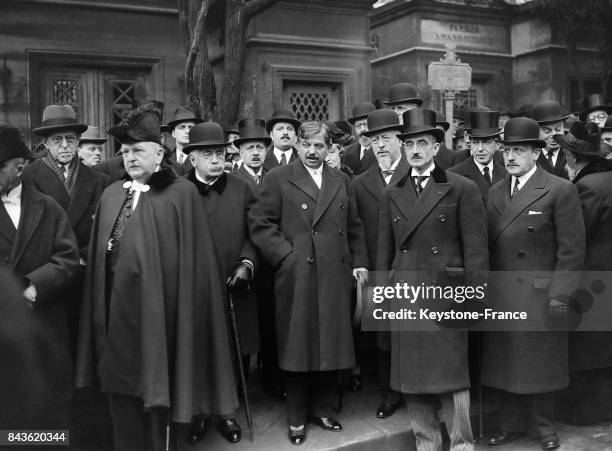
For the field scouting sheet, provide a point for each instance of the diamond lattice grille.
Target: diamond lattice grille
(309, 106)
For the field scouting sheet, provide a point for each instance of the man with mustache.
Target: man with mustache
(90, 146)
(281, 127)
(549, 117)
(252, 142)
(359, 156)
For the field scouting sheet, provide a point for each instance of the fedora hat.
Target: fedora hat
(361, 111)
(182, 114)
(204, 136)
(484, 124)
(523, 130)
(141, 124)
(57, 118)
(420, 121)
(92, 135)
(548, 111)
(12, 145)
(252, 130)
(607, 126)
(282, 116)
(441, 122)
(583, 138)
(403, 92)
(592, 103)
(382, 120)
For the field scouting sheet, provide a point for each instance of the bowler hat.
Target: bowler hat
(441, 122)
(361, 111)
(92, 135)
(12, 145)
(344, 126)
(282, 116)
(141, 124)
(420, 121)
(548, 111)
(592, 103)
(382, 120)
(205, 135)
(57, 118)
(523, 130)
(459, 133)
(484, 124)
(182, 114)
(607, 126)
(252, 130)
(583, 138)
(403, 92)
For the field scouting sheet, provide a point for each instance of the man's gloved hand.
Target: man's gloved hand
(241, 276)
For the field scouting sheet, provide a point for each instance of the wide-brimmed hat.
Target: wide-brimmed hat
(141, 124)
(607, 126)
(441, 122)
(252, 130)
(59, 118)
(382, 120)
(523, 130)
(282, 116)
(12, 145)
(592, 103)
(419, 121)
(92, 135)
(182, 114)
(548, 111)
(403, 92)
(583, 138)
(205, 135)
(484, 124)
(361, 111)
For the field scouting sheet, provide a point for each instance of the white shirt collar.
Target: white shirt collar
(482, 166)
(314, 172)
(525, 177)
(14, 195)
(251, 171)
(427, 172)
(203, 181)
(278, 153)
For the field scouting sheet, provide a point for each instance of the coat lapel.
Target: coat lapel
(32, 210)
(302, 179)
(81, 195)
(373, 181)
(500, 195)
(51, 185)
(7, 228)
(329, 186)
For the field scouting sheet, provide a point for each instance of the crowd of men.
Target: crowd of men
(154, 276)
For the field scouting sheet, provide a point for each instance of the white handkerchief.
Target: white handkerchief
(531, 212)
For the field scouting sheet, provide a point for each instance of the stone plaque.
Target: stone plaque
(465, 35)
(449, 76)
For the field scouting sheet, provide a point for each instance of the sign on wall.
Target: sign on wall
(465, 35)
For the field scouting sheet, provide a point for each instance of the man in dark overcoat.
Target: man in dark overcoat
(481, 167)
(535, 226)
(281, 127)
(549, 116)
(432, 222)
(227, 201)
(39, 248)
(305, 226)
(182, 122)
(359, 156)
(252, 143)
(153, 326)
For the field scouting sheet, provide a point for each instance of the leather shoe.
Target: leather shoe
(230, 430)
(504, 437)
(297, 435)
(355, 382)
(385, 410)
(197, 430)
(325, 423)
(550, 443)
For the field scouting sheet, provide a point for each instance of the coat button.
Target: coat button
(342, 205)
(396, 219)
(314, 232)
(531, 229)
(341, 231)
(434, 250)
(519, 280)
(304, 207)
(343, 259)
(442, 218)
(404, 250)
(310, 260)
(521, 255)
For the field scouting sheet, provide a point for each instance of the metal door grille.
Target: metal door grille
(310, 106)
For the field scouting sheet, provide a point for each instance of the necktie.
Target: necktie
(549, 157)
(257, 179)
(418, 180)
(387, 172)
(283, 160)
(516, 188)
(486, 174)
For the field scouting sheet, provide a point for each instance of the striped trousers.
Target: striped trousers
(454, 411)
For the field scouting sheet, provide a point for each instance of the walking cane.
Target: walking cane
(236, 337)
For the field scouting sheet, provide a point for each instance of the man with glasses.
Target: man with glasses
(596, 110)
(359, 156)
(550, 118)
(252, 142)
(432, 228)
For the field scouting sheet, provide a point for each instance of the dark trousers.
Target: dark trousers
(389, 396)
(309, 394)
(268, 355)
(519, 412)
(133, 428)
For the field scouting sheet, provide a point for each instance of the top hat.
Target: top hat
(420, 121)
(92, 135)
(484, 124)
(12, 145)
(282, 116)
(141, 124)
(57, 118)
(594, 102)
(460, 115)
(252, 130)
(440, 121)
(468, 114)
(382, 120)
(607, 126)
(233, 129)
(583, 138)
(522, 130)
(548, 111)
(182, 114)
(205, 135)
(403, 92)
(361, 111)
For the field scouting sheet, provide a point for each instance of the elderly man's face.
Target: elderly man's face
(387, 148)
(209, 163)
(421, 150)
(180, 132)
(283, 135)
(62, 146)
(483, 149)
(253, 153)
(10, 173)
(361, 126)
(141, 159)
(598, 117)
(90, 153)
